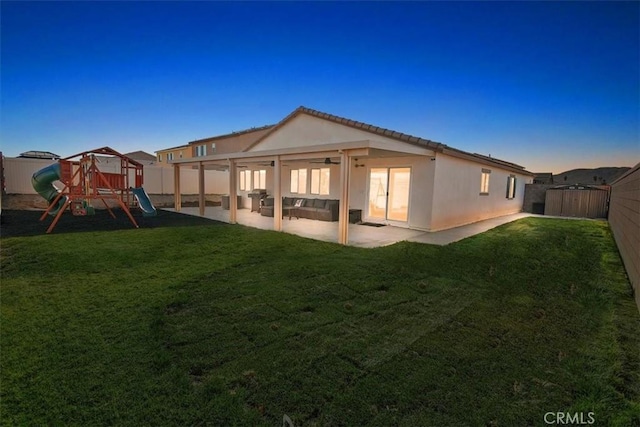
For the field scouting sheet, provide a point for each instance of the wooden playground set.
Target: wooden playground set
(84, 183)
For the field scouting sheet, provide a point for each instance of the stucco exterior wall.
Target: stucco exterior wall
(183, 152)
(334, 181)
(307, 131)
(457, 199)
(420, 191)
(232, 143)
(420, 187)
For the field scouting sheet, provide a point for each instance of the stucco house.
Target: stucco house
(166, 155)
(386, 176)
(219, 144)
(229, 143)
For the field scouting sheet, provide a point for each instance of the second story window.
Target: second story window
(201, 150)
(213, 147)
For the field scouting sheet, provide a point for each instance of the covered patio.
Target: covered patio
(342, 158)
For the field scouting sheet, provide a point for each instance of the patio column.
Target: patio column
(177, 196)
(343, 213)
(277, 194)
(233, 196)
(201, 202)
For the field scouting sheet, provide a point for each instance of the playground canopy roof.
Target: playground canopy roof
(108, 151)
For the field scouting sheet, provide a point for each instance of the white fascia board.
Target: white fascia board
(325, 150)
(401, 147)
(265, 155)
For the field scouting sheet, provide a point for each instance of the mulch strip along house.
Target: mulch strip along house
(379, 175)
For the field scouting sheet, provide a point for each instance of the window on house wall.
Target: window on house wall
(213, 147)
(245, 180)
(260, 179)
(201, 150)
(320, 181)
(180, 153)
(169, 156)
(159, 157)
(484, 183)
(299, 181)
(511, 187)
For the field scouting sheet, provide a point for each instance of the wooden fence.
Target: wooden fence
(575, 201)
(624, 219)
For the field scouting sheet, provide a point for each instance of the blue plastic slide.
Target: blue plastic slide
(42, 182)
(144, 202)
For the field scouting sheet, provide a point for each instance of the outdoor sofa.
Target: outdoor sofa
(318, 209)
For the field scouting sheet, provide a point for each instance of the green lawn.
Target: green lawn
(228, 325)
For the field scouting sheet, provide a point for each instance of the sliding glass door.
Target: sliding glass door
(389, 193)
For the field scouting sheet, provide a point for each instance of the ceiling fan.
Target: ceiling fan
(272, 163)
(327, 161)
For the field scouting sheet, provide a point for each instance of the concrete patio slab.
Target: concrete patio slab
(451, 235)
(359, 235)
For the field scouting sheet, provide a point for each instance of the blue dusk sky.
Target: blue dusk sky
(548, 85)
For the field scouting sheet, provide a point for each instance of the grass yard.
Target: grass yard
(228, 325)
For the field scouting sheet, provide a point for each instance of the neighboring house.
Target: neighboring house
(543, 178)
(39, 155)
(221, 144)
(390, 177)
(230, 143)
(173, 153)
(142, 156)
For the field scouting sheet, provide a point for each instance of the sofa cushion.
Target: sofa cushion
(308, 203)
(331, 203)
(288, 201)
(268, 201)
(319, 203)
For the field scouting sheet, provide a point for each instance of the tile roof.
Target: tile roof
(172, 148)
(415, 140)
(230, 135)
(359, 125)
(140, 155)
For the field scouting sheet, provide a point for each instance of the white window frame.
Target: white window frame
(511, 187)
(260, 179)
(298, 184)
(160, 158)
(213, 148)
(320, 181)
(245, 180)
(484, 182)
(169, 157)
(201, 150)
